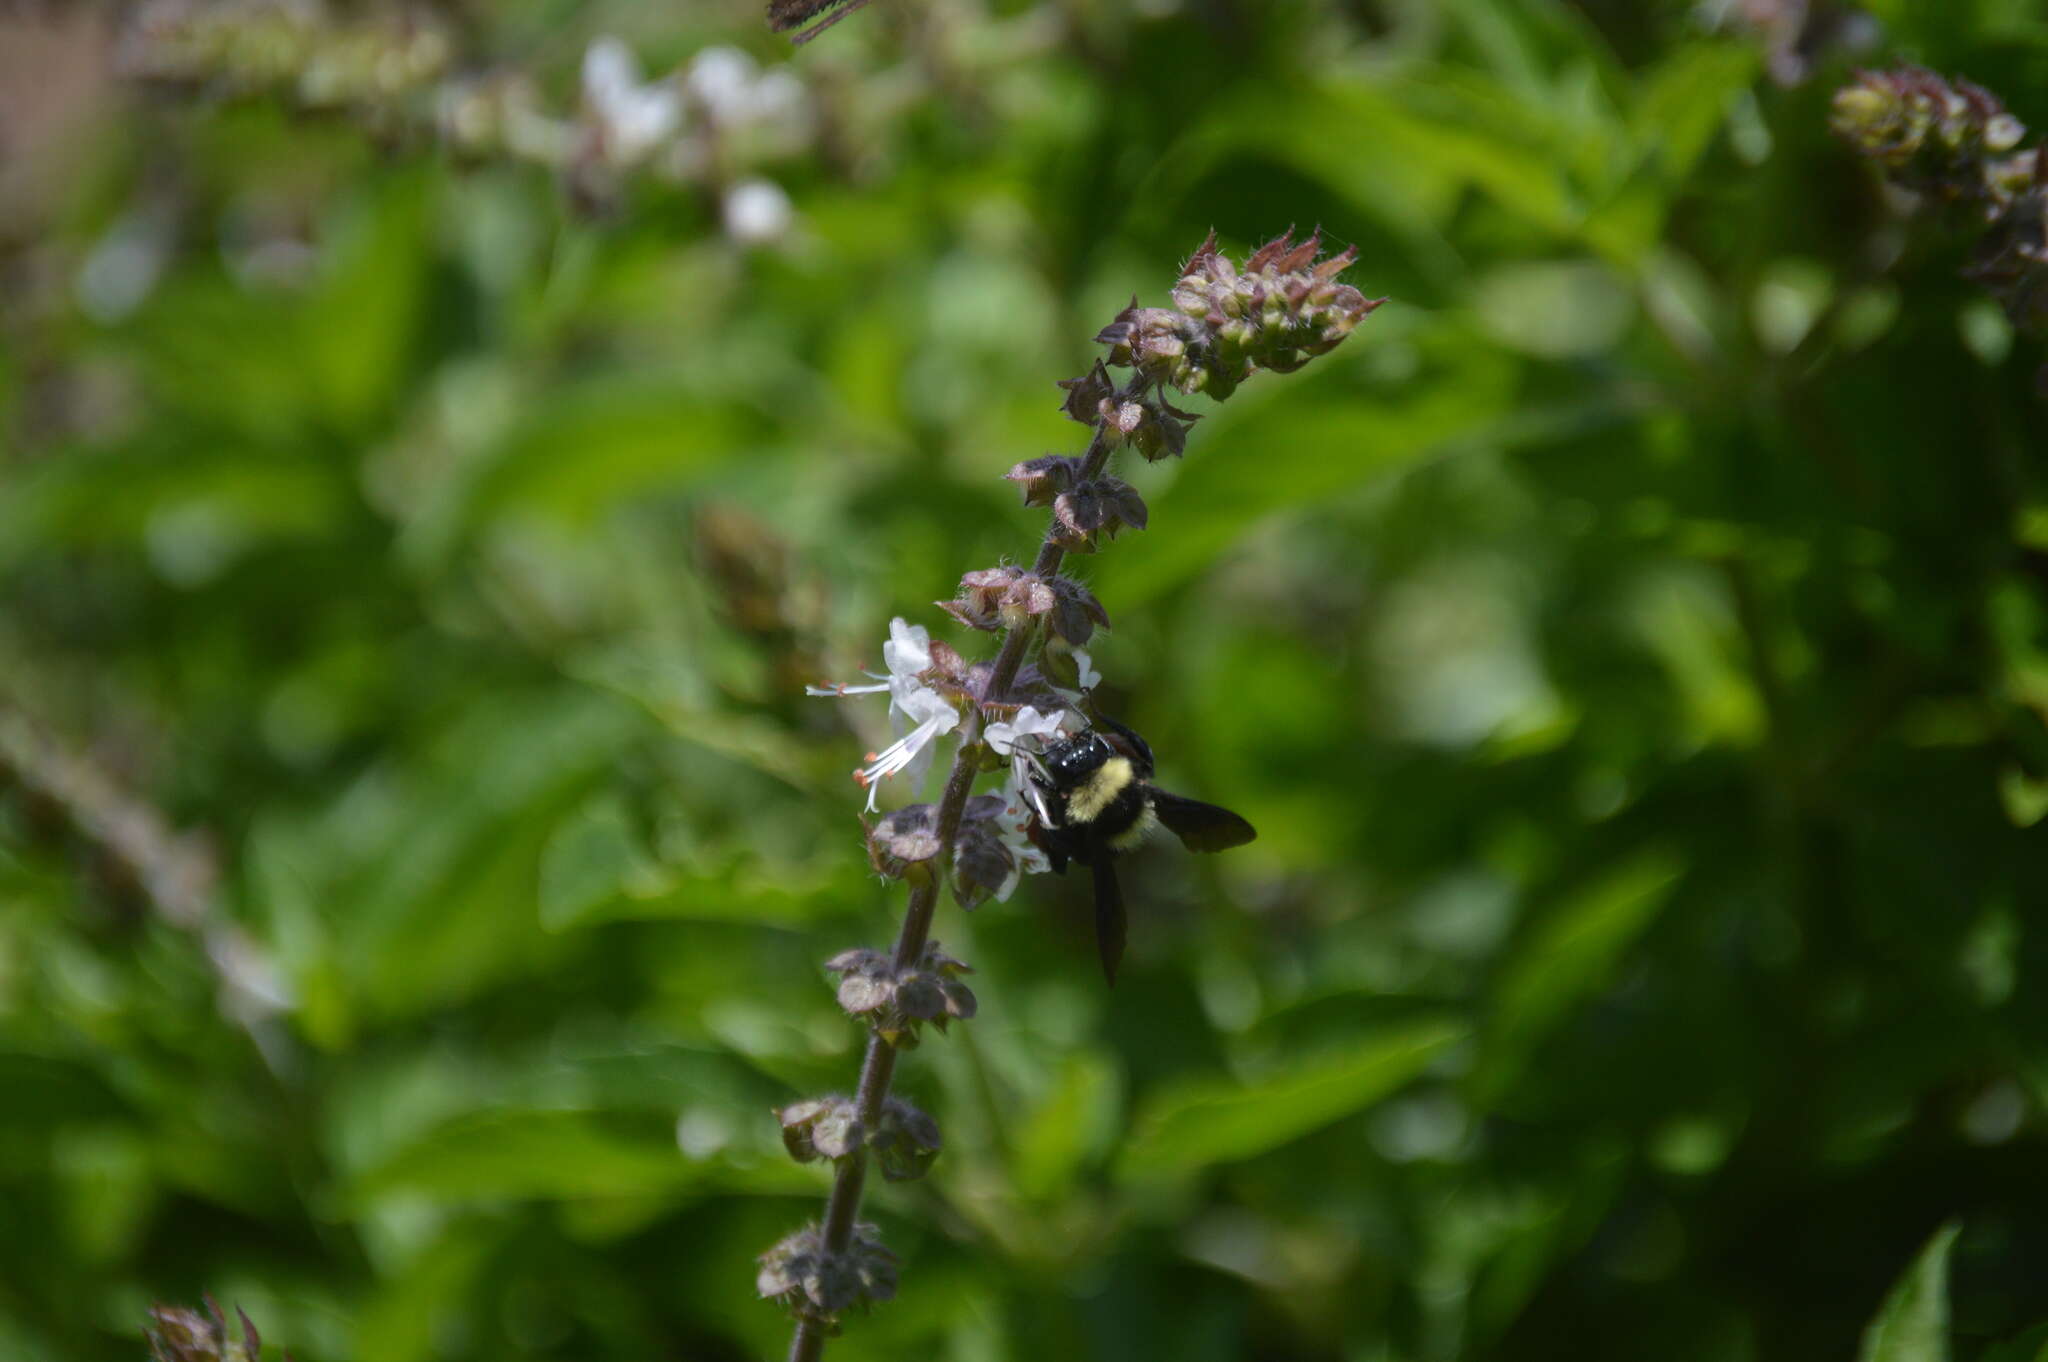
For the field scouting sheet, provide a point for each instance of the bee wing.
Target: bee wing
(1126, 741)
(1201, 827)
(1040, 806)
(1110, 923)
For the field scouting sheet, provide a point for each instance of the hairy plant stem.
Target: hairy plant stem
(878, 1068)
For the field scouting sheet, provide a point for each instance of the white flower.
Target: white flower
(733, 91)
(634, 117)
(722, 80)
(1021, 738)
(1003, 735)
(913, 705)
(1090, 678)
(1013, 818)
(934, 714)
(908, 652)
(756, 212)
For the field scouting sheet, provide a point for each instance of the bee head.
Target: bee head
(1073, 760)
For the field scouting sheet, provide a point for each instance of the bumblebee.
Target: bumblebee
(1094, 799)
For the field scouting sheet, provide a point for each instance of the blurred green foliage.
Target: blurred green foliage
(417, 856)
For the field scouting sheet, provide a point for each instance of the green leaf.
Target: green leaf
(593, 446)
(592, 858)
(1068, 1128)
(2029, 1346)
(531, 1154)
(1681, 102)
(1569, 956)
(360, 323)
(444, 899)
(1280, 448)
(1207, 1121)
(404, 1319)
(1912, 1326)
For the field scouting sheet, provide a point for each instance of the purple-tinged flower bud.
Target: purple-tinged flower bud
(904, 1141)
(1085, 395)
(1282, 310)
(1101, 506)
(1164, 431)
(821, 1128)
(896, 1002)
(902, 845)
(1044, 478)
(1076, 612)
(948, 673)
(983, 867)
(1000, 598)
(1077, 516)
(1123, 506)
(867, 979)
(1120, 336)
(816, 1284)
(176, 1334)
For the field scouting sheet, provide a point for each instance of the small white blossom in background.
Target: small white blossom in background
(757, 212)
(912, 704)
(734, 92)
(633, 117)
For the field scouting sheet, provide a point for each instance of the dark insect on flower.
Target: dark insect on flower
(784, 15)
(1094, 799)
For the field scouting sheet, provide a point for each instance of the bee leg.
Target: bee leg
(1110, 922)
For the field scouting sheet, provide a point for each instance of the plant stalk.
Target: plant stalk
(878, 1068)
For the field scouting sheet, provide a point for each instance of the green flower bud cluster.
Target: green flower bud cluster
(1931, 134)
(1281, 310)
(1955, 142)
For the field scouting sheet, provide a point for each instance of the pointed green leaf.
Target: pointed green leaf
(1913, 1324)
(1206, 1121)
(1570, 955)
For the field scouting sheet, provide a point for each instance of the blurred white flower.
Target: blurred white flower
(722, 80)
(123, 268)
(779, 97)
(635, 117)
(733, 90)
(757, 212)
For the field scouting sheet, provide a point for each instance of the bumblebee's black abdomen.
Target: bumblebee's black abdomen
(1116, 825)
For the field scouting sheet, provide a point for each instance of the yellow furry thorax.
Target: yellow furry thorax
(1088, 799)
